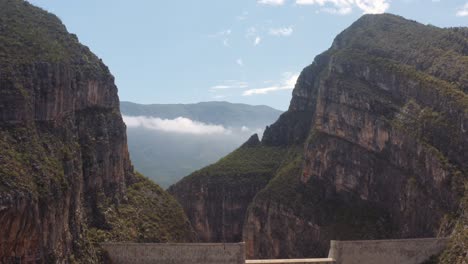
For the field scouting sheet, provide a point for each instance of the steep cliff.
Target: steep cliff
(216, 197)
(65, 173)
(376, 136)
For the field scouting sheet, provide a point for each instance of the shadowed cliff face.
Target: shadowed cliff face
(376, 143)
(216, 197)
(65, 172)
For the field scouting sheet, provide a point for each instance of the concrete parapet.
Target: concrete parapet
(193, 253)
(399, 251)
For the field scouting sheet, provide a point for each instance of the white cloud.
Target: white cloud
(220, 87)
(271, 2)
(373, 6)
(287, 83)
(230, 84)
(240, 62)
(257, 40)
(282, 31)
(343, 7)
(463, 11)
(180, 125)
(245, 129)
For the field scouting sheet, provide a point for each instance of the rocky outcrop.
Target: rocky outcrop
(64, 163)
(216, 198)
(376, 142)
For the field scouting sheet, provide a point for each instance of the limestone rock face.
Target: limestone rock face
(218, 208)
(374, 143)
(65, 171)
(216, 198)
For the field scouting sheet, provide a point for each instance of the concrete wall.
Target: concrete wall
(132, 253)
(403, 251)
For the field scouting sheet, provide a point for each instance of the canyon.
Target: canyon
(374, 145)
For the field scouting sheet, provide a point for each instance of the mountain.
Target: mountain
(374, 145)
(220, 113)
(165, 147)
(66, 180)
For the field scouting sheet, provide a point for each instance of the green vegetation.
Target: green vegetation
(148, 215)
(246, 165)
(283, 186)
(30, 35)
(31, 162)
(430, 108)
(457, 252)
(341, 216)
(437, 51)
(432, 86)
(429, 127)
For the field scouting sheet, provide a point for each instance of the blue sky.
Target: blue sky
(247, 51)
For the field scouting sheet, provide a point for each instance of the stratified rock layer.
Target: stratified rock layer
(376, 142)
(65, 172)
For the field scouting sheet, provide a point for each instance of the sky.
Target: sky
(242, 51)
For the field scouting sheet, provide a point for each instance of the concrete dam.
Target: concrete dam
(399, 251)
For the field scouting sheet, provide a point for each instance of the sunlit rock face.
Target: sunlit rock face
(374, 145)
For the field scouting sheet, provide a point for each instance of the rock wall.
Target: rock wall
(64, 162)
(374, 155)
(375, 143)
(216, 204)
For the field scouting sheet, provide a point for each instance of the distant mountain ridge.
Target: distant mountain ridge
(213, 112)
(168, 156)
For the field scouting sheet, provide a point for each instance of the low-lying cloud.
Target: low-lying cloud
(245, 129)
(179, 125)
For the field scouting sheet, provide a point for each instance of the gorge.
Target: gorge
(374, 145)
